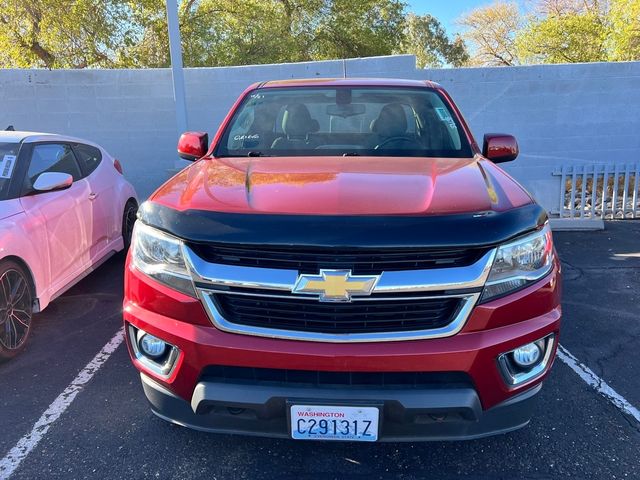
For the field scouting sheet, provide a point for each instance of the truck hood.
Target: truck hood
(342, 186)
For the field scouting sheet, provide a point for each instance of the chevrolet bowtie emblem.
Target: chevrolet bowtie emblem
(335, 285)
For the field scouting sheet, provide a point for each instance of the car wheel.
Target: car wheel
(128, 220)
(16, 309)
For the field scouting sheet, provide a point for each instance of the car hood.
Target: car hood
(342, 186)
(8, 208)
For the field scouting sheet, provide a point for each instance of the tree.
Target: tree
(568, 38)
(62, 34)
(228, 32)
(564, 7)
(491, 32)
(625, 30)
(426, 38)
(133, 33)
(556, 31)
(357, 28)
(565, 31)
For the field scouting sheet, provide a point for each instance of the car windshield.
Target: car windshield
(8, 156)
(393, 121)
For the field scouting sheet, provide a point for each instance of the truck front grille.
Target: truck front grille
(418, 294)
(359, 261)
(370, 316)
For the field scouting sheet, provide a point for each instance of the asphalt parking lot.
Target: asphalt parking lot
(108, 431)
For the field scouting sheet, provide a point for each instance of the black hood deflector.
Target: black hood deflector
(459, 230)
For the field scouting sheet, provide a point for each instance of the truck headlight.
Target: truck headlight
(520, 263)
(159, 256)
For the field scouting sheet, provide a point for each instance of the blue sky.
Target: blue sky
(445, 10)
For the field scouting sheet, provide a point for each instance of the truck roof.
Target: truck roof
(347, 82)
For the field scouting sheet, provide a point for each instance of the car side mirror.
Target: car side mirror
(499, 147)
(193, 145)
(49, 181)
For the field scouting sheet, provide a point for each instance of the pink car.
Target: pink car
(64, 209)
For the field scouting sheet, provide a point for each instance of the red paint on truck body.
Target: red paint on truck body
(342, 186)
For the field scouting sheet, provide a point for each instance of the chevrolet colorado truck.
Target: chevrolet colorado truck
(343, 262)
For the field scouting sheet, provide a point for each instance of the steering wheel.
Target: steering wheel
(398, 138)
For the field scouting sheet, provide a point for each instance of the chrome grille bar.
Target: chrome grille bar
(468, 302)
(438, 279)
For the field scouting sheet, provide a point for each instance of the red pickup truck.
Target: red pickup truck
(343, 263)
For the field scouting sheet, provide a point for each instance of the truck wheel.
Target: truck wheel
(128, 219)
(16, 309)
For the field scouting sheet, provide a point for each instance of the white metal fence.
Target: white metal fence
(599, 191)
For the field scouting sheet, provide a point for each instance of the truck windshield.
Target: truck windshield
(8, 158)
(392, 121)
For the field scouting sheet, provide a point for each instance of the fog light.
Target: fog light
(152, 346)
(527, 355)
(527, 362)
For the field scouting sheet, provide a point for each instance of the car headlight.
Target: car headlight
(520, 263)
(159, 256)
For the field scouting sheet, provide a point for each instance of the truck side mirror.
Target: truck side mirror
(193, 145)
(499, 147)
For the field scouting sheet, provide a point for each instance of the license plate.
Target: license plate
(317, 422)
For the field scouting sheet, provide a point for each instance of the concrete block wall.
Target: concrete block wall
(579, 113)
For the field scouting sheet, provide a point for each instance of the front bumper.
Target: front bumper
(488, 405)
(406, 415)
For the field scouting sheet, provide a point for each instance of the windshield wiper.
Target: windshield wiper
(256, 153)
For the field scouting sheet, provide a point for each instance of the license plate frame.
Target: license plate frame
(351, 412)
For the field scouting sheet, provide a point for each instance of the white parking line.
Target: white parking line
(27, 443)
(597, 383)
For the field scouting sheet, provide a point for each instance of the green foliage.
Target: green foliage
(150, 47)
(569, 38)
(425, 38)
(361, 28)
(223, 32)
(557, 31)
(228, 32)
(624, 41)
(62, 34)
(133, 33)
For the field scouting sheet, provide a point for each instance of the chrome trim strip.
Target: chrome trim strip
(315, 299)
(453, 278)
(426, 280)
(236, 276)
(451, 329)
